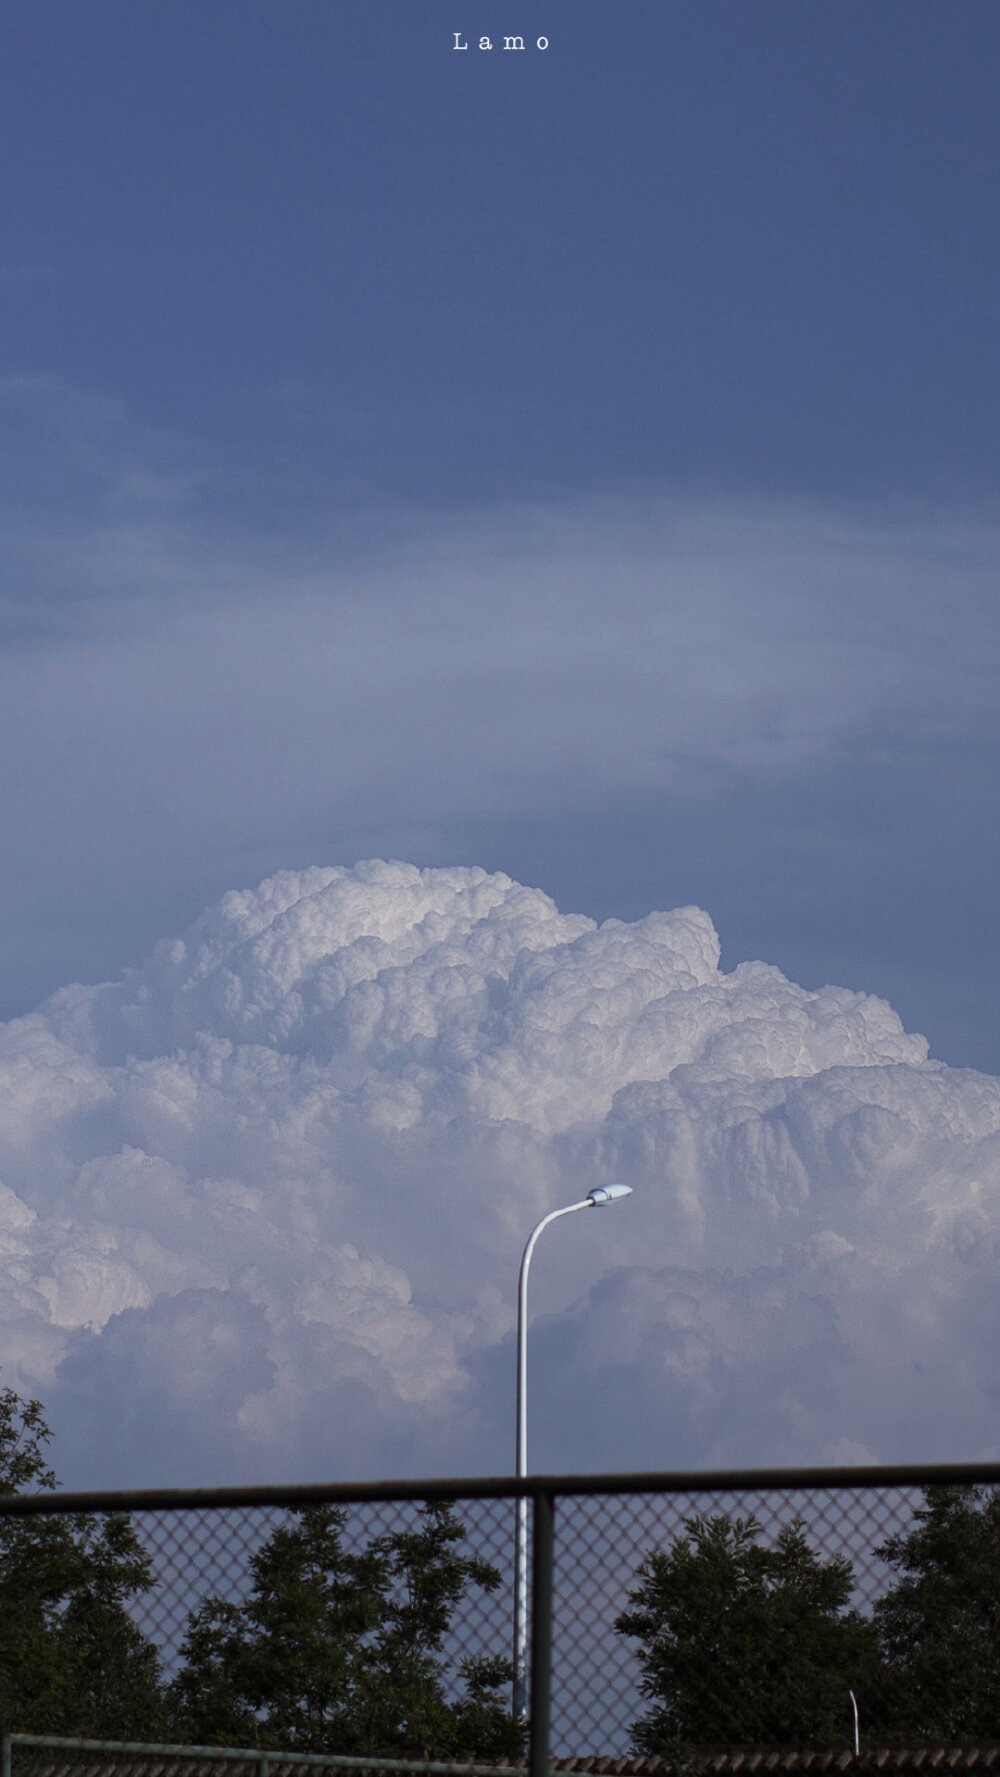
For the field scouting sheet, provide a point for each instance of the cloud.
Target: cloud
(264, 1197)
(784, 710)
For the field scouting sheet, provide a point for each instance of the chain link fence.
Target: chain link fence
(670, 1615)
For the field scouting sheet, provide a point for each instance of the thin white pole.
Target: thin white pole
(520, 1691)
(857, 1737)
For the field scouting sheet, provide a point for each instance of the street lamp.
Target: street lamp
(594, 1200)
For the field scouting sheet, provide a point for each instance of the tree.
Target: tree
(341, 1651)
(939, 1625)
(72, 1661)
(741, 1644)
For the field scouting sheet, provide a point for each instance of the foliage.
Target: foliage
(939, 1624)
(341, 1651)
(23, 1432)
(71, 1659)
(344, 1647)
(331, 1650)
(742, 1644)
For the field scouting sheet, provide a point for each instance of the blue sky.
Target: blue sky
(575, 466)
(579, 463)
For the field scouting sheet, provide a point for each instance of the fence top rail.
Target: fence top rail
(856, 1478)
(255, 1755)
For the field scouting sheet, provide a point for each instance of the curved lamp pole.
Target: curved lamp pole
(593, 1200)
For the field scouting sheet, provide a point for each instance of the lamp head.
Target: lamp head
(608, 1194)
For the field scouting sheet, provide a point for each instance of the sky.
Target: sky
(575, 464)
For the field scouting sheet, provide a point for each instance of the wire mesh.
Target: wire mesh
(206, 1554)
(601, 1546)
(719, 1614)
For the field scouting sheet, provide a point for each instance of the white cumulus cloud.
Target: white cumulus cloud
(263, 1199)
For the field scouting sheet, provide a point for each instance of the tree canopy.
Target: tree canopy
(335, 1650)
(332, 1648)
(939, 1624)
(72, 1661)
(338, 1644)
(744, 1644)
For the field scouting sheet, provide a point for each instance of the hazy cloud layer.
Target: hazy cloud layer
(780, 709)
(263, 1199)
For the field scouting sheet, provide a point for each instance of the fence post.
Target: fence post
(5, 1756)
(542, 1561)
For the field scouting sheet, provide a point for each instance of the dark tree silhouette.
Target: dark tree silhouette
(741, 1644)
(72, 1661)
(939, 1624)
(341, 1651)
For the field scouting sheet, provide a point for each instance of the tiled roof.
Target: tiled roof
(741, 1761)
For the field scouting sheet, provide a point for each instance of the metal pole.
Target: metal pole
(520, 1689)
(542, 1563)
